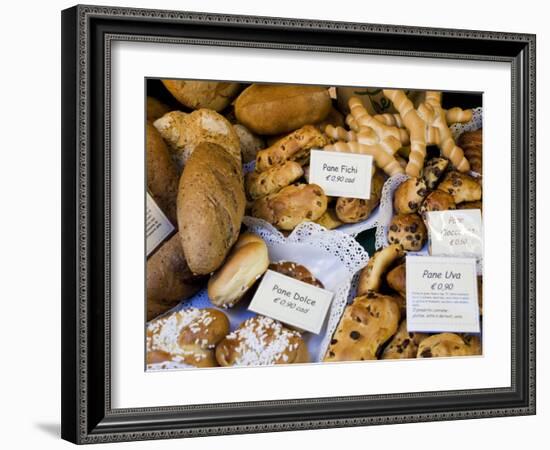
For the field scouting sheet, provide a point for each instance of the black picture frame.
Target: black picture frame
(87, 32)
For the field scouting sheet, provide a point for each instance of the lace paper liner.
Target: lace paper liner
(334, 258)
(386, 202)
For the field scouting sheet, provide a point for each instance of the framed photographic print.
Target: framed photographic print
(282, 224)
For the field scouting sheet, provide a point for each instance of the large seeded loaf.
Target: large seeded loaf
(211, 203)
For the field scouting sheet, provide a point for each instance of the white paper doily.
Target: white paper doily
(334, 258)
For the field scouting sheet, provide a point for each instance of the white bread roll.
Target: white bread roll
(247, 262)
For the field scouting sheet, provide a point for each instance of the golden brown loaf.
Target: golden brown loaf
(409, 195)
(436, 201)
(202, 94)
(353, 210)
(463, 187)
(169, 279)
(184, 132)
(211, 203)
(409, 231)
(403, 344)
(162, 174)
(397, 279)
(261, 341)
(329, 220)
(291, 205)
(294, 147)
(471, 144)
(259, 184)
(187, 336)
(370, 278)
(246, 263)
(365, 325)
(275, 109)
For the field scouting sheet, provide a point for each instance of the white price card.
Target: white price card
(442, 294)
(157, 225)
(455, 233)
(291, 301)
(341, 174)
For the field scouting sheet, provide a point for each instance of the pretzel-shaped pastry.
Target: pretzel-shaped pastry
(427, 125)
(453, 115)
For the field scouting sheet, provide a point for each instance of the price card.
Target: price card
(291, 301)
(157, 225)
(341, 174)
(442, 294)
(455, 233)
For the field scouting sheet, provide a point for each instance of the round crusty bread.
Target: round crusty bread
(202, 94)
(211, 203)
(162, 174)
(246, 263)
(275, 109)
(168, 278)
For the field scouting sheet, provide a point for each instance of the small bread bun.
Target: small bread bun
(246, 263)
(409, 195)
(296, 271)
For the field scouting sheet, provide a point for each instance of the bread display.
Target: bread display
(247, 261)
(162, 174)
(261, 341)
(169, 279)
(213, 95)
(409, 231)
(403, 344)
(275, 109)
(463, 187)
(291, 205)
(211, 203)
(433, 171)
(366, 324)
(184, 132)
(260, 184)
(471, 143)
(409, 195)
(188, 336)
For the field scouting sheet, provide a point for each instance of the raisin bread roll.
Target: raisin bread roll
(443, 344)
(162, 173)
(186, 336)
(260, 184)
(409, 231)
(169, 279)
(473, 342)
(247, 262)
(329, 220)
(471, 143)
(433, 171)
(403, 344)
(370, 278)
(397, 279)
(261, 341)
(296, 271)
(353, 210)
(291, 205)
(471, 205)
(461, 186)
(211, 204)
(368, 322)
(436, 201)
(409, 195)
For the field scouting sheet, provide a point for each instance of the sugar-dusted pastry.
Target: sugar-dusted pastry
(291, 205)
(437, 201)
(443, 344)
(296, 271)
(409, 231)
(370, 278)
(259, 184)
(294, 147)
(261, 341)
(353, 210)
(247, 262)
(397, 279)
(409, 195)
(368, 322)
(187, 336)
(433, 171)
(463, 187)
(403, 344)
